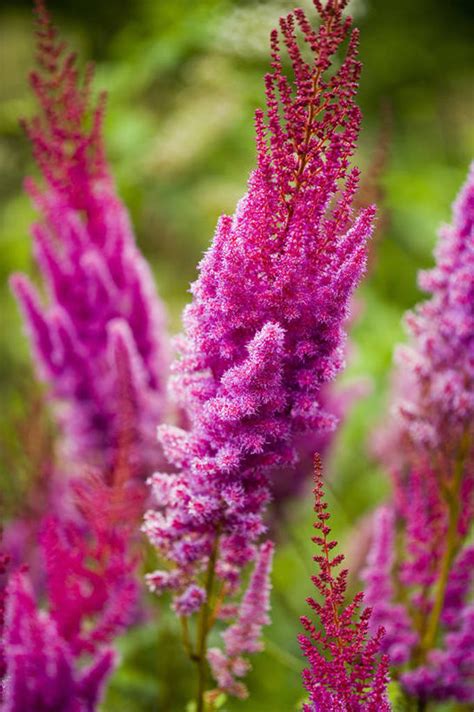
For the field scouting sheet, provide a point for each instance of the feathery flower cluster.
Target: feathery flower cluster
(92, 596)
(346, 672)
(424, 598)
(41, 670)
(100, 289)
(264, 331)
(244, 636)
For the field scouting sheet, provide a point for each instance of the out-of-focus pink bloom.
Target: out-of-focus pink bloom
(100, 289)
(399, 638)
(91, 588)
(41, 671)
(423, 593)
(434, 402)
(92, 592)
(4, 569)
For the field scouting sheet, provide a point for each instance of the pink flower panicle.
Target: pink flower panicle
(92, 595)
(42, 674)
(100, 289)
(430, 451)
(264, 330)
(441, 360)
(92, 592)
(402, 591)
(434, 405)
(244, 636)
(346, 671)
(448, 670)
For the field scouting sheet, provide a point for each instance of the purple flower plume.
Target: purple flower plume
(434, 408)
(264, 330)
(346, 671)
(423, 594)
(100, 290)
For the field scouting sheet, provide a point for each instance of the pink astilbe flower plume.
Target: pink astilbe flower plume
(424, 594)
(346, 672)
(99, 286)
(434, 405)
(264, 330)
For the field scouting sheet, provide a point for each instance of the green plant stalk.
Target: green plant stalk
(203, 629)
(186, 639)
(452, 496)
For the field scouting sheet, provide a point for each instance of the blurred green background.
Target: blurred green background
(183, 80)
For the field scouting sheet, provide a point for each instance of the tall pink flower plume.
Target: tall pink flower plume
(379, 590)
(346, 671)
(430, 451)
(434, 408)
(100, 289)
(264, 330)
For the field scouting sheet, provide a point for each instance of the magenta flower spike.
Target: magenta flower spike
(434, 401)
(346, 671)
(264, 331)
(99, 286)
(424, 595)
(92, 590)
(41, 674)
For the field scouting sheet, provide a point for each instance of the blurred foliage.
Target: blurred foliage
(183, 81)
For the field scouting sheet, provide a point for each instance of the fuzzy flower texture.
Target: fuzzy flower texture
(425, 598)
(100, 289)
(264, 330)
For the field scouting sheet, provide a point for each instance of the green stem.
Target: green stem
(186, 638)
(421, 705)
(204, 628)
(452, 495)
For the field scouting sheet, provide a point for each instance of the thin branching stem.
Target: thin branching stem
(203, 630)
